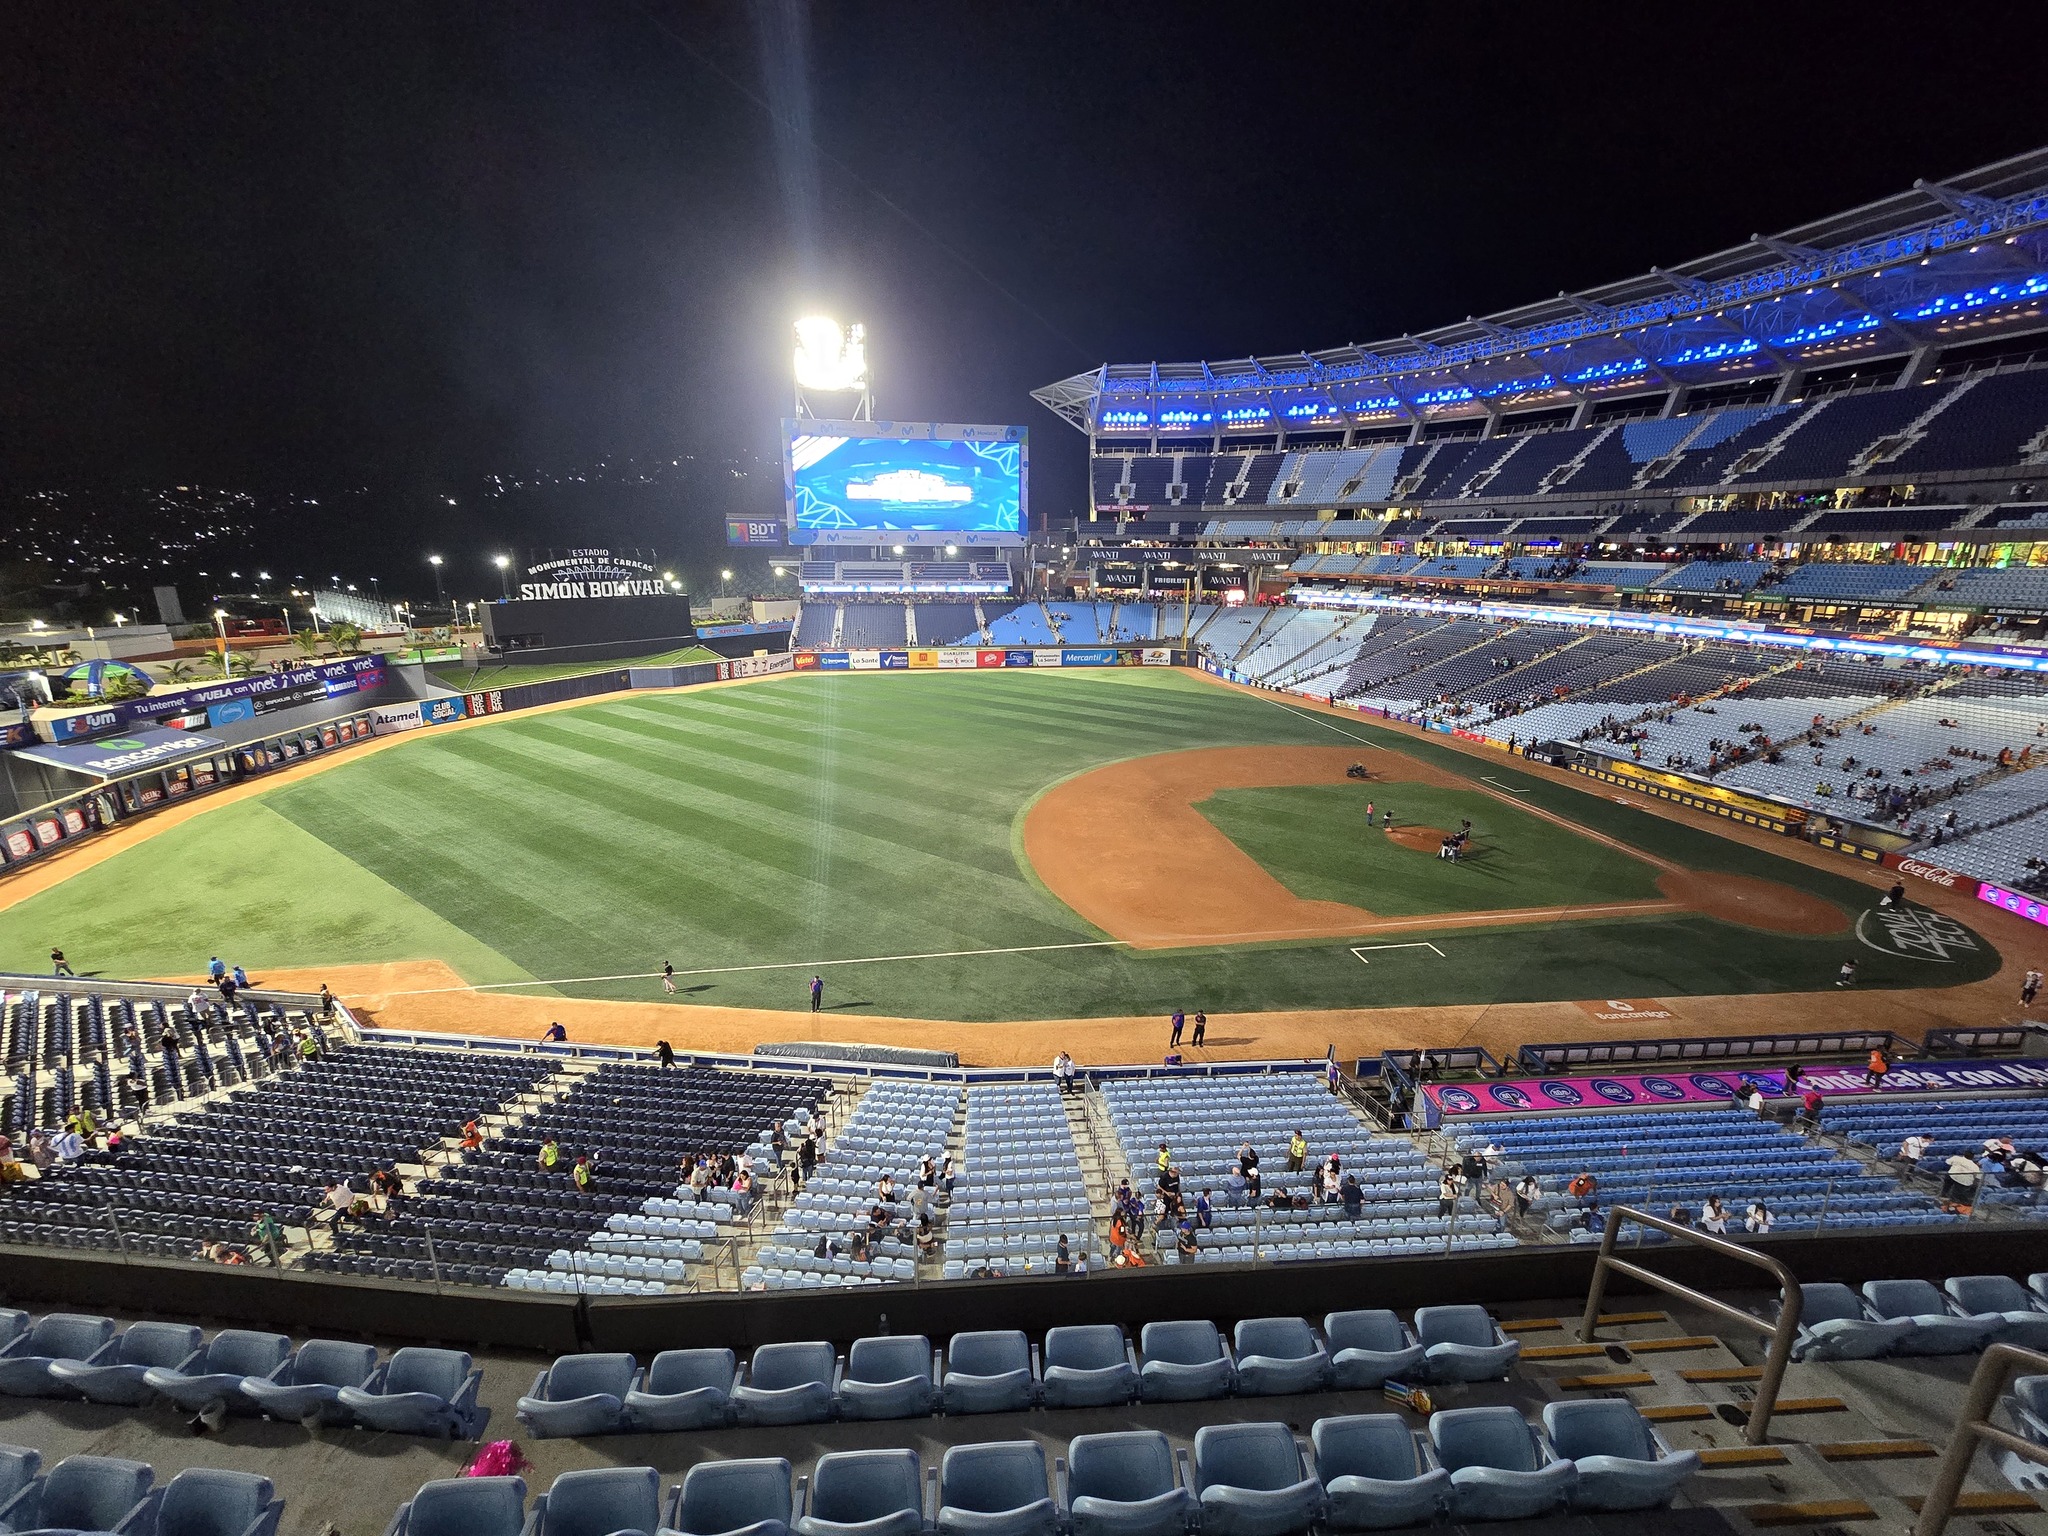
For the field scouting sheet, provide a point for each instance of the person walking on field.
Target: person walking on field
(668, 976)
(817, 993)
(2030, 984)
(1179, 1023)
(1201, 1027)
(59, 966)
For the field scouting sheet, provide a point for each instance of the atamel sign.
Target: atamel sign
(573, 573)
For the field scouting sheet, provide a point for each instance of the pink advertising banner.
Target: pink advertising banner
(1654, 1090)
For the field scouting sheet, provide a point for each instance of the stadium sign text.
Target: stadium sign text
(536, 591)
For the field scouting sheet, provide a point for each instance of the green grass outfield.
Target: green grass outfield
(511, 674)
(829, 818)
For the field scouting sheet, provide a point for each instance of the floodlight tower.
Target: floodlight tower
(832, 360)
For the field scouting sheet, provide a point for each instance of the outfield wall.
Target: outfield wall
(964, 658)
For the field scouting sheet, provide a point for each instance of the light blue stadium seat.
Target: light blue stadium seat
(215, 1379)
(579, 1395)
(141, 1346)
(1088, 1365)
(210, 1501)
(84, 1493)
(463, 1506)
(1251, 1482)
(1279, 1355)
(1183, 1361)
(1835, 1325)
(684, 1389)
(865, 1493)
(1982, 1296)
(787, 1384)
(14, 1325)
(598, 1501)
(1935, 1329)
(1618, 1460)
(996, 1489)
(1124, 1484)
(423, 1392)
(25, 1369)
(988, 1372)
(308, 1389)
(747, 1497)
(18, 1468)
(1373, 1473)
(1498, 1468)
(890, 1377)
(1369, 1347)
(2028, 1404)
(1463, 1343)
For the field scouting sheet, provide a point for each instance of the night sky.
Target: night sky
(410, 245)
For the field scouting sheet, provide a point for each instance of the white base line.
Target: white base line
(1362, 950)
(779, 965)
(1497, 784)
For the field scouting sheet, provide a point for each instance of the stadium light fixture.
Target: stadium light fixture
(899, 549)
(952, 549)
(504, 565)
(220, 622)
(440, 593)
(829, 357)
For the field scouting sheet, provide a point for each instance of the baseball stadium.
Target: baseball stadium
(1455, 825)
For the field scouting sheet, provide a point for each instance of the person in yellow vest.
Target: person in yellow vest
(1297, 1151)
(550, 1154)
(584, 1175)
(1165, 1158)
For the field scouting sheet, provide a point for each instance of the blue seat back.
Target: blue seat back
(209, 1501)
(18, 1467)
(574, 1376)
(1828, 1302)
(165, 1344)
(69, 1336)
(993, 1352)
(1185, 1341)
(1467, 1325)
(1483, 1437)
(92, 1493)
(852, 1486)
(993, 1478)
(894, 1358)
(437, 1372)
(241, 1352)
(1084, 1346)
(1380, 1446)
(726, 1495)
(1374, 1330)
(1259, 1456)
(1904, 1298)
(1127, 1466)
(333, 1363)
(676, 1371)
(1277, 1338)
(1988, 1293)
(469, 1506)
(1599, 1427)
(778, 1367)
(13, 1324)
(600, 1500)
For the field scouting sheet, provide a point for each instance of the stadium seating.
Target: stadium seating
(873, 626)
(595, 1501)
(422, 1392)
(1368, 1347)
(989, 1371)
(463, 1506)
(580, 1395)
(894, 1377)
(1499, 1468)
(308, 1388)
(119, 1379)
(84, 1493)
(215, 1382)
(1089, 1364)
(1124, 1484)
(787, 1384)
(1373, 1473)
(749, 1497)
(1250, 1481)
(995, 1489)
(1617, 1461)
(684, 1389)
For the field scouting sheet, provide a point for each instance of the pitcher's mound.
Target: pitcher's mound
(1421, 839)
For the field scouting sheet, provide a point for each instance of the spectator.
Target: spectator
(1810, 1106)
(1297, 1151)
(928, 1237)
(1205, 1212)
(806, 1158)
(68, 1145)
(326, 1002)
(1527, 1193)
(1714, 1216)
(1759, 1220)
(1163, 1159)
(1679, 1216)
(40, 1152)
(269, 1236)
(228, 986)
(1185, 1242)
(1751, 1098)
(886, 1189)
(554, 1033)
(1063, 1073)
(1875, 1069)
(1913, 1148)
(1251, 1181)
(664, 1054)
(1234, 1185)
(169, 1041)
(1062, 1257)
(1959, 1186)
(1448, 1188)
(1582, 1186)
(1352, 1196)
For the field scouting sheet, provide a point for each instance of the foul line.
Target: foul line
(778, 965)
(1487, 778)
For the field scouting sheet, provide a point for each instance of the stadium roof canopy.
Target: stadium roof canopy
(1947, 262)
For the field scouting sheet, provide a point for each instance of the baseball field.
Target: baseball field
(978, 848)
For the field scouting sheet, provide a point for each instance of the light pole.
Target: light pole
(725, 583)
(440, 596)
(504, 565)
(220, 622)
(283, 608)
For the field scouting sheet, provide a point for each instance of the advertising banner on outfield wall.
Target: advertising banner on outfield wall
(863, 661)
(2032, 908)
(1047, 658)
(895, 661)
(1520, 1095)
(958, 659)
(1088, 656)
(327, 680)
(755, 666)
(441, 711)
(1156, 656)
(921, 660)
(989, 658)
(396, 717)
(490, 703)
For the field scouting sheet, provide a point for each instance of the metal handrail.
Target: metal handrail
(1791, 1305)
(1974, 1425)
